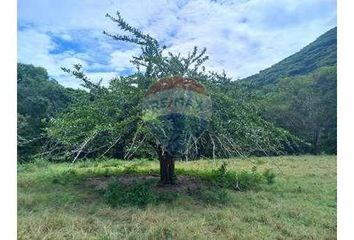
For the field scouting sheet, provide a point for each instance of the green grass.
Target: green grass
(59, 201)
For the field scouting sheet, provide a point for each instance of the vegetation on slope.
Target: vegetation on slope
(299, 93)
(320, 53)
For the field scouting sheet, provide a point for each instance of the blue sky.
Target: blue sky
(242, 37)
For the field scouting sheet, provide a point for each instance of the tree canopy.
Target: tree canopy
(108, 121)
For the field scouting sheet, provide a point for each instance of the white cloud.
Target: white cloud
(33, 48)
(66, 37)
(105, 76)
(242, 37)
(120, 60)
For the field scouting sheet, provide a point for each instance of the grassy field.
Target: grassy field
(64, 201)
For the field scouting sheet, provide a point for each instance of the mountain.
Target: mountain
(320, 53)
(299, 93)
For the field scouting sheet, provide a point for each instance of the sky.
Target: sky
(242, 37)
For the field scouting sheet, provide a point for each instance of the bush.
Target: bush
(249, 180)
(269, 175)
(114, 194)
(244, 180)
(222, 169)
(139, 194)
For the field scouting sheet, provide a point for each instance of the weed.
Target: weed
(269, 176)
(222, 169)
(239, 181)
(249, 180)
(114, 194)
(140, 194)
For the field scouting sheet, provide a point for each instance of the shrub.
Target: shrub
(222, 169)
(140, 194)
(239, 181)
(269, 176)
(114, 194)
(248, 180)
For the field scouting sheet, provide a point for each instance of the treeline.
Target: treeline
(39, 99)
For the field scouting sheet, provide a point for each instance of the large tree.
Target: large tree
(110, 121)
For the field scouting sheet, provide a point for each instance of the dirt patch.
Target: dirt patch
(184, 184)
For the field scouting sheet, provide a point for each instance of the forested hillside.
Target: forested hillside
(300, 93)
(320, 53)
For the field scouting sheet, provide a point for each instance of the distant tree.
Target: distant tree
(307, 107)
(38, 99)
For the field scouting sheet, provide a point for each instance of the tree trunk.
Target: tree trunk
(167, 168)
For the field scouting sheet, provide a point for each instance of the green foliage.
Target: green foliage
(114, 194)
(41, 162)
(214, 192)
(269, 175)
(100, 123)
(306, 106)
(139, 194)
(39, 98)
(278, 111)
(223, 178)
(249, 180)
(68, 176)
(320, 53)
(299, 94)
(222, 170)
(109, 121)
